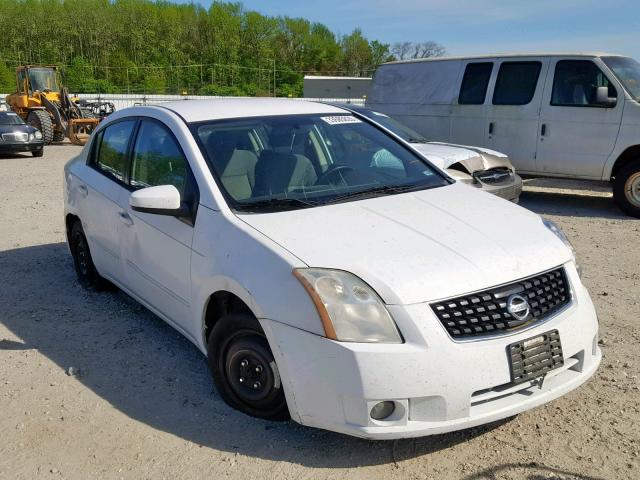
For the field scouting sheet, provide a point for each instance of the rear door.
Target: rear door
(513, 115)
(469, 112)
(157, 248)
(101, 191)
(577, 134)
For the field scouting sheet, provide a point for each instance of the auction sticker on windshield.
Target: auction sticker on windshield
(340, 119)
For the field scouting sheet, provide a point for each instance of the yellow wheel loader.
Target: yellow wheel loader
(44, 103)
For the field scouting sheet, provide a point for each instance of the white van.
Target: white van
(556, 115)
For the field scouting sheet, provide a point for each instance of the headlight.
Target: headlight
(349, 308)
(560, 234)
(38, 135)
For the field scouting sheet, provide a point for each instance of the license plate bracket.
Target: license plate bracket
(534, 357)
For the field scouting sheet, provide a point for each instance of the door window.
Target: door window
(157, 159)
(575, 84)
(111, 156)
(516, 83)
(474, 83)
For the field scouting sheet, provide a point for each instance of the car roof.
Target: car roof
(229, 108)
(509, 55)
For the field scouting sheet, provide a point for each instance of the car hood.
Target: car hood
(419, 246)
(472, 158)
(16, 129)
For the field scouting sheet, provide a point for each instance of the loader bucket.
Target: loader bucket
(79, 129)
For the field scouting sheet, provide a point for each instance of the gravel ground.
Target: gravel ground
(95, 386)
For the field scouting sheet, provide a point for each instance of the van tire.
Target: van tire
(234, 340)
(88, 276)
(626, 189)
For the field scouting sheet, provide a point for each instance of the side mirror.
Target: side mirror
(603, 98)
(160, 200)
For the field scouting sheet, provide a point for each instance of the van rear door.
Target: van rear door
(576, 134)
(513, 114)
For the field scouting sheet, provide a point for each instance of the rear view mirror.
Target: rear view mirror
(603, 98)
(160, 200)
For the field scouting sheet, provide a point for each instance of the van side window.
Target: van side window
(516, 83)
(474, 83)
(111, 156)
(575, 84)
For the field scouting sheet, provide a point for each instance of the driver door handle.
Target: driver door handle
(84, 191)
(125, 218)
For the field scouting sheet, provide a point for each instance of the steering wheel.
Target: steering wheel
(336, 169)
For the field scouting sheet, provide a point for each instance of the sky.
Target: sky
(477, 26)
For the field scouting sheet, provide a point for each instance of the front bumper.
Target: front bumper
(509, 191)
(438, 385)
(15, 147)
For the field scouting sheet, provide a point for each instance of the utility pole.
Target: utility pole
(274, 77)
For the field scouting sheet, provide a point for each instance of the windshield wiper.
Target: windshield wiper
(275, 204)
(417, 140)
(375, 192)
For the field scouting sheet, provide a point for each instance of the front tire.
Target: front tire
(626, 189)
(41, 120)
(244, 369)
(88, 276)
(38, 153)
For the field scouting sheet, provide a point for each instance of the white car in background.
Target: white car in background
(483, 168)
(329, 272)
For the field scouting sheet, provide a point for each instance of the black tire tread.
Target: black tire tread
(41, 120)
(619, 195)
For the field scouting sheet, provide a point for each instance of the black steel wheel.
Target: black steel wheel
(244, 369)
(88, 276)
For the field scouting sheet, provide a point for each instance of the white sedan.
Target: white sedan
(329, 273)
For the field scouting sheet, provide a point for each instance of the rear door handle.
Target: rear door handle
(543, 130)
(84, 191)
(125, 218)
(490, 128)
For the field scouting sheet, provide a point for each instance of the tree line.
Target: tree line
(144, 46)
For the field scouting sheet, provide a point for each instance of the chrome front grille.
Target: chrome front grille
(494, 176)
(15, 137)
(495, 311)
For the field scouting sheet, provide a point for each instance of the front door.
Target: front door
(157, 248)
(576, 134)
(513, 116)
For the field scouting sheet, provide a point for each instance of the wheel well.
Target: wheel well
(629, 155)
(69, 220)
(220, 304)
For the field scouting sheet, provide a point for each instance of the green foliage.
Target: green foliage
(144, 46)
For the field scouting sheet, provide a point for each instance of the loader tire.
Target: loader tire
(58, 136)
(41, 120)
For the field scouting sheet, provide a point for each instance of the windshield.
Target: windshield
(285, 162)
(627, 70)
(391, 124)
(42, 79)
(10, 119)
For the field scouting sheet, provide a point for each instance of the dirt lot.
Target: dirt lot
(95, 386)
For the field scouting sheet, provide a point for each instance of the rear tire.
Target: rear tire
(38, 153)
(88, 276)
(243, 368)
(626, 189)
(58, 136)
(41, 120)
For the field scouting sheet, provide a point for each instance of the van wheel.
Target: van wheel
(626, 189)
(244, 370)
(88, 276)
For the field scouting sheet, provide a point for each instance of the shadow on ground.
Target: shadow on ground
(145, 369)
(574, 204)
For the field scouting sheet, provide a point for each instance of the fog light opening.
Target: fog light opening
(382, 410)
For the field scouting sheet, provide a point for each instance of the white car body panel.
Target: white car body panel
(412, 248)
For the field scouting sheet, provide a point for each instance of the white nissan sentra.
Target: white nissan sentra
(328, 272)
